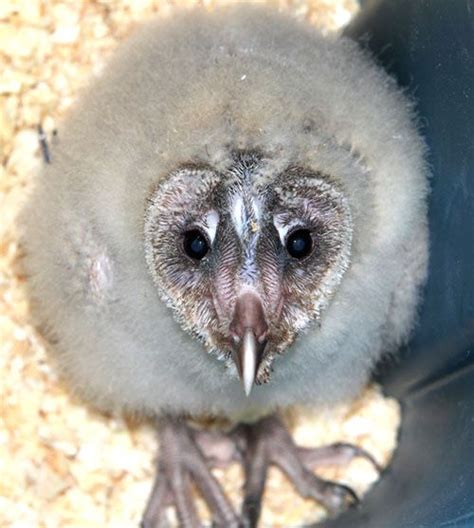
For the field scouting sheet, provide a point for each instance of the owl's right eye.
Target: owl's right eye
(195, 244)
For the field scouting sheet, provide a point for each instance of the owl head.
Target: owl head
(247, 258)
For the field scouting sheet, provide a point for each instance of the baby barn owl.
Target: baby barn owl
(233, 222)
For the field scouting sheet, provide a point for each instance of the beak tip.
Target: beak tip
(248, 388)
(246, 361)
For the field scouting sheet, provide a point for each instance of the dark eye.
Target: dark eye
(195, 244)
(299, 243)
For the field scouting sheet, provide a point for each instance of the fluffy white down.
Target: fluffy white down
(193, 87)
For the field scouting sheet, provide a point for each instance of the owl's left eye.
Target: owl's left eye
(299, 243)
(195, 244)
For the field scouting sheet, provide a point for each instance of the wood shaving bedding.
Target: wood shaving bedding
(62, 464)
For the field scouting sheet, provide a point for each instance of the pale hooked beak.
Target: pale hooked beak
(246, 359)
(249, 331)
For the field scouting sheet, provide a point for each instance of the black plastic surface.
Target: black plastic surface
(430, 483)
(428, 45)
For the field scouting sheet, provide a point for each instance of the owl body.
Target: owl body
(259, 100)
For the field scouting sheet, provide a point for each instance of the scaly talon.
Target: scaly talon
(268, 442)
(181, 461)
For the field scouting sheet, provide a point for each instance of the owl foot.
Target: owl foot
(268, 442)
(182, 462)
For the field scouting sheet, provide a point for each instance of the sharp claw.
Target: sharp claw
(339, 497)
(352, 499)
(251, 511)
